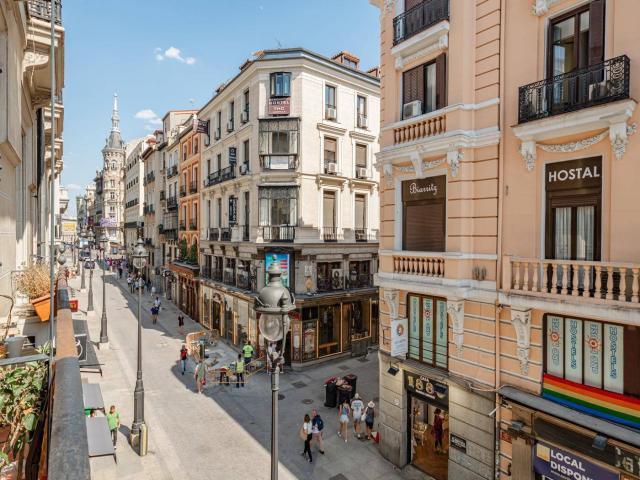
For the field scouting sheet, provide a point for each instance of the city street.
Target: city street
(210, 435)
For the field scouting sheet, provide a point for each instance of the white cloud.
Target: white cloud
(150, 117)
(74, 186)
(173, 53)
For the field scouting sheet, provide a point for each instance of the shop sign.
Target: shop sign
(233, 155)
(399, 337)
(627, 461)
(458, 443)
(582, 173)
(279, 106)
(425, 387)
(429, 188)
(283, 259)
(559, 464)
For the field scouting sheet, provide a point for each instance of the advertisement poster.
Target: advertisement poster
(399, 337)
(558, 464)
(283, 259)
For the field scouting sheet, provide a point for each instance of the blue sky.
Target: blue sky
(164, 54)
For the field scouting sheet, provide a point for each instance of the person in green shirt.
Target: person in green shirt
(200, 375)
(113, 418)
(247, 350)
(239, 371)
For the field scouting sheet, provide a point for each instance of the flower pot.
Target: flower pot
(42, 307)
(14, 345)
(3, 350)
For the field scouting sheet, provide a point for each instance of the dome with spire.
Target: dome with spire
(115, 139)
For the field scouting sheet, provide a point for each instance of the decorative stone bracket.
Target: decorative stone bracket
(391, 298)
(521, 321)
(456, 311)
(454, 157)
(541, 7)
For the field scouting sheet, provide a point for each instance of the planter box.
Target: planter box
(42, 306)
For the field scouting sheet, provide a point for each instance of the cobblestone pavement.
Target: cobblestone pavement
(224, 433)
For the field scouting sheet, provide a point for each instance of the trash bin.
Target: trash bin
(344, 393)
(331, 395)
(351, 379)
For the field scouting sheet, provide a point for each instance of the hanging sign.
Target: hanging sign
(399, 337)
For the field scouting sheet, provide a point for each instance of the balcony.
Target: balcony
(363, 236)
(243, 280)
(227, 173)
(170, 234)
(214, 234)
(182, 225)
(615, 283)
(172, 203)
(172, 171)
(183, 191)
(279, 162)
(149, 209)
(418, 128)
(225, 234)
(42, 9)
(193, 187)
(595, 85)
(282, 233)
(149, 178)
(229, 277)
(418, 265)
(330, 234)
(419, 19)
(360, 280)
(329, 284)
(216, 274)
(244, 232)
(193, 225)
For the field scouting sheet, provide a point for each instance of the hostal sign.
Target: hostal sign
(582, 173)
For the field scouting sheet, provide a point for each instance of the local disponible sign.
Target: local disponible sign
(279, 106)
(558, 464)
(582, 173)
(399, 337)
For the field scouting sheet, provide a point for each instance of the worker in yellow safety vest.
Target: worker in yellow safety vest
(239, 371)
(247, 350)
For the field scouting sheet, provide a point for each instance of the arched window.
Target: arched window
(113, 165)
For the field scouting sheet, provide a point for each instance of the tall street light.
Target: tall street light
(139, 257)
(273, 305)
(104, 338)
(91, 237)
(83, 286)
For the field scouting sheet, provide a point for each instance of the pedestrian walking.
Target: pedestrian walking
(247, 351)
(305, 434)
(183, 358)
(130, 283)
(438, 431)
(200, 376)
(317, 425)
(239, 371)
(113, 419)
(357, 406)
(119, 272)
(180, 324)
(369, 416)
(343, 419)
(154, 314)
(148, 286)
(157, 303)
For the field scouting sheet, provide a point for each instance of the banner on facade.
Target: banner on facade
(279, 106)
(558, 464)
(108, 222)
(399, 337)
(283, 259)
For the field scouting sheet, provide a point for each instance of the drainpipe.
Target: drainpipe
(498, 306)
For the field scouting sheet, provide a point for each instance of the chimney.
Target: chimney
(375, 72)
(347, 59)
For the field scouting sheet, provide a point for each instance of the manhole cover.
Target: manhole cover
(343, 368)
(299, 384)
(280, 396)
(307, 401)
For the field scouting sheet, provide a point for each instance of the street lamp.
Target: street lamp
(91, 237)
(273, 305)
(83, 286)
(104, 338)
(139, 262)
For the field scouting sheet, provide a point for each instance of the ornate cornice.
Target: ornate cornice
(541, 7)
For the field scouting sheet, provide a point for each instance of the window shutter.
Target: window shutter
(360, 212)
(413, 84)
(409, 4)
(441, 81)
(596, 31)
(328, 209)
(425, 227)
(361, 155)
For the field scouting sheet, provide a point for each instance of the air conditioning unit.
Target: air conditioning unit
(330, 113)
(229, 126)
(336, 278)
(363, 121)
(244, 169)
(244, 117)
(217, 135)
(361, 172)
(412, 109)
(207, 140)
(332, 168)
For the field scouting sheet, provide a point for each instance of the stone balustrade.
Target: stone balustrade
(419, 265)
(424, 126)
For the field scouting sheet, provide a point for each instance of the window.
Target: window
(596, 354)
(245, 153)
(281, 84)
(208, 166)
(361, 155)
(195, 146)
(424, 214)
(361, 109)
(349, 63)
(184, 151)
(219, 125)
(427, 84)
(428, 330)
(112, 195)
(330, 102)
(246, 103)
(330, 152)
(113, 165)
(112, 183)
(573, 209)
(278, 206)
(219, 212)
(328, 209)
(231, 125)
(278, 143)
(219, 162)
(361, 212)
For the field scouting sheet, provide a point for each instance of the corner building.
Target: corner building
(439, 159)
(288, 177)
(569, 351)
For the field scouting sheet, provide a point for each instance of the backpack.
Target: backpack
(319, 423)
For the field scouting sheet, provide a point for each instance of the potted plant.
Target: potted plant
(34, 282)
(5, 333)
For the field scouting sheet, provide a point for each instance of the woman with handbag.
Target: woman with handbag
(305, 434)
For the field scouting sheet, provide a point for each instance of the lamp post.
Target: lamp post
(139, 257)
(83, 286)
(104, 338)
(90, 311)
(273, 305)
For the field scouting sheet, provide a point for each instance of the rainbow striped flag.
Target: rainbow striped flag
(599, 403)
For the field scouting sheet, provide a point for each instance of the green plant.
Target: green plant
(34, 281)
(21, 403)
(192, 257)
(183, 249)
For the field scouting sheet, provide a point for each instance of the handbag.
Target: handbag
(363, 417)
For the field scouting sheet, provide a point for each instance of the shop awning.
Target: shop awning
(612, 430)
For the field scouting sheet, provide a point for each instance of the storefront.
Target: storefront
(185, 290)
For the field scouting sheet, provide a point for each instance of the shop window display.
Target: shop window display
(429, 438)
(329, 330)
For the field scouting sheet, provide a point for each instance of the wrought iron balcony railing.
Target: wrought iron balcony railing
(225, 234)
(214, 234)
(586, 87)
(193, 187)
(229, 276)
(42, 9)
(183, 191)
(227, 173)
(172, 171)
(183, 225)
(330, 234)
(419, 18)
(279, 233)
(172, 203)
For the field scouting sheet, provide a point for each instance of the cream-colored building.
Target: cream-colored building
(134, 193)
(153, 215)
(288, 177)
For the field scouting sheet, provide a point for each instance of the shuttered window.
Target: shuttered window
(361, 155)
(329, 209)
(330, 147)
(413, 84)
(427, 83)
(360, 212)
(424, 226)
(409, 4)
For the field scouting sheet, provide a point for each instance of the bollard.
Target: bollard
(142, 451)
